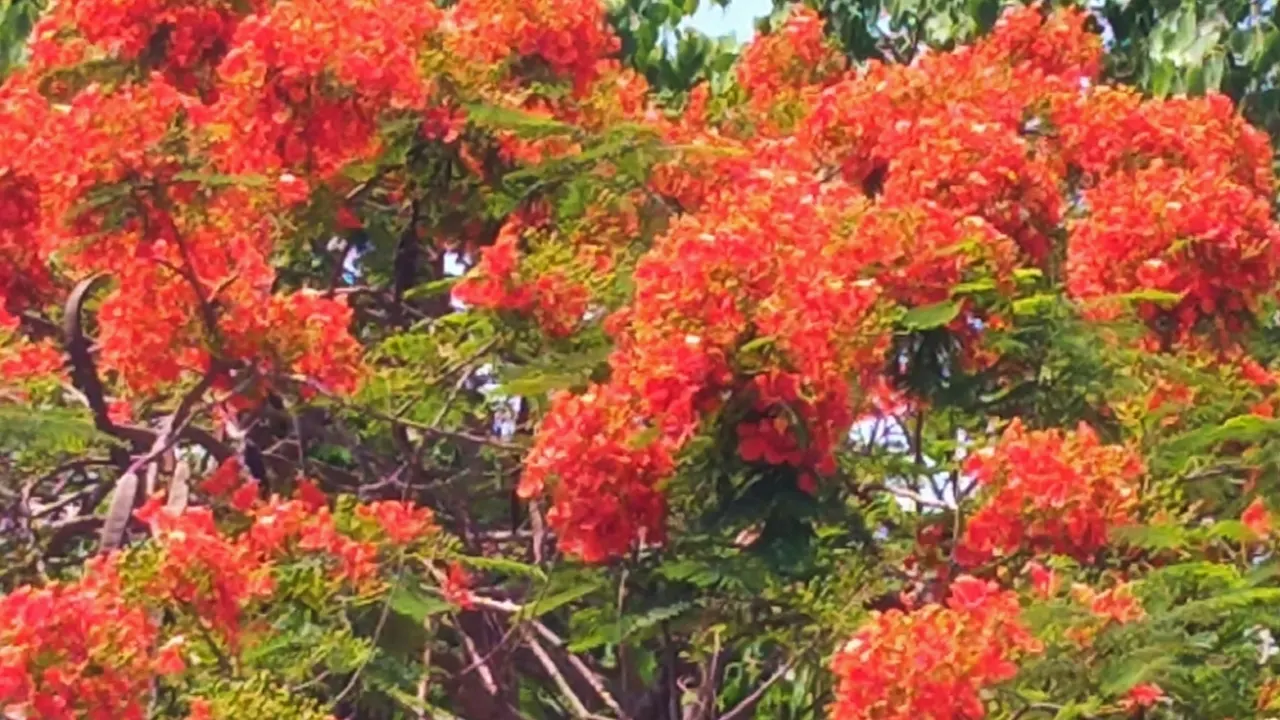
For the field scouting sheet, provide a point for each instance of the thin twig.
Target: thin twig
(420, 427)
(478, 663)
(708, 691)
(575, 704)
(424, 684)
(596, 683)
(913, 496)
(742, 708)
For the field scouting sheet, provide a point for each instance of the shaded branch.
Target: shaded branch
(748, 703)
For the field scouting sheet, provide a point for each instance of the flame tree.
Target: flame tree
(380, 359)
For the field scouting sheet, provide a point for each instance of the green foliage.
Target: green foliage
(657, 42)
(17, 17)
(42, 432)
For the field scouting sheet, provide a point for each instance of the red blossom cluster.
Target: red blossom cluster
(779, 69)
(953, 128)
(220, 576)
(202, 569)
(80, 650)
(932, 663)
(1049, 491)
(306, 83)
(111, 173)
(569, 37)
(1195, 234)
(106, 197)
(1257, 518)
(93, 647)
(556, 303)
(401, 522)
(1117, 605)
(937, 182)
(711, 283)
(184, 40)
(1177, 199)
(609, 501)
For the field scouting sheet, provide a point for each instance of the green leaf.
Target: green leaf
(1161, 297)
(1074, 710)
(536, 383)
(695, 572)
(760, 343)
(501, 118)
(546, 604)
(1135, 669)
(1214, 608)
(1230, 530)
(1035, 304)
(928, 317)
(975, 287)
(636, 623)
(1151, 537)
(222, 180)
(503, 565)
(416, 604)
(1244, 428)
(431, 289)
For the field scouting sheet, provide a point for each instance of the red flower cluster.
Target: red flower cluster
(931, 663)
(953, 128)
(1143, 695)
(1116, 605)
(1257, 519)
(23, 361)
(280, 527)
(1109, 130)
(96, 182)
(457, 587)
(402, 523)
(92, 648)
(556, 303)
(788, 257)
(711, 283)
(1178, 200)
(570, 37)
(24, 281)
(202, 569)
(79, 650)
(780, 68)
(1193, 233)
(1049, 491)
(184, 40)
(954, 169)
(493, 283)
(604, 496)
(306, 82)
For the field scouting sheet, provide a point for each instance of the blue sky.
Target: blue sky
(738, 19)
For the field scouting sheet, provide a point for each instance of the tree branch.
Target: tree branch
(575, 704)
(741, 709)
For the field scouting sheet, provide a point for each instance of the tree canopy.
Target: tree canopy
(371, 359)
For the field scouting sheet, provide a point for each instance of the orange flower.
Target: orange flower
(1117, 605)
(457, 586)
(401, 521)
(1143, 695)
(1256, 518)
(1049, 491)
(934, 661)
